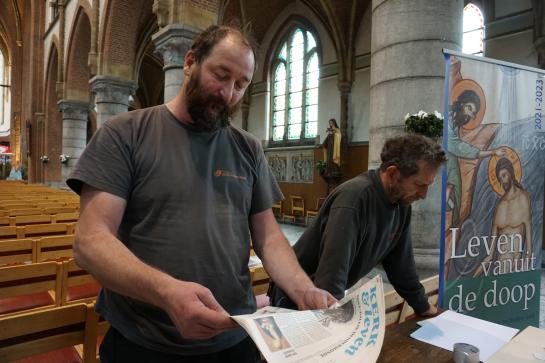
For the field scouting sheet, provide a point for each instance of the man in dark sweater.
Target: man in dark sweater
(366, 221)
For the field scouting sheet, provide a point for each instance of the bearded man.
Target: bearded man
(168, 195)
(366, 221)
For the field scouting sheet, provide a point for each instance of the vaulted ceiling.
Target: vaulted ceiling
(11, 18)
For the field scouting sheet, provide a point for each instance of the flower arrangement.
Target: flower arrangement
(64, 158)
(44, 159)
(423, 123)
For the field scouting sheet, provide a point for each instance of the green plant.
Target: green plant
(321, 165)
(423, 123)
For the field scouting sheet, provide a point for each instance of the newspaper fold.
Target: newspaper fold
(351, 331)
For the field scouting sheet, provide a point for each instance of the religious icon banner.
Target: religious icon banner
(493, 190)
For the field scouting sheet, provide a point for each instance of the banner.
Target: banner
(492, 210)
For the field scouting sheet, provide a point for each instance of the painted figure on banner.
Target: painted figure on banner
(511, 236)
(468, 144)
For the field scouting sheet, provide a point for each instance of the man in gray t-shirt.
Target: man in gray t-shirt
(169, 198)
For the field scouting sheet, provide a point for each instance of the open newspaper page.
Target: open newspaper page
(353, 330)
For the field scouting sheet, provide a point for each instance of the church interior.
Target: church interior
(333, 80)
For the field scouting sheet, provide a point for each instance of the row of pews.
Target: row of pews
(46, 299)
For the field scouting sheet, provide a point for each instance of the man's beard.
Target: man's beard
(462, 119)
(396, 194)
(507, 186)
(208, 112)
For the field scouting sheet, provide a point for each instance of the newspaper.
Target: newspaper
(350, 331)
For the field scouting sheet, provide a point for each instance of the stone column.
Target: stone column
(111, 96)
(407, 75)
(172, 42)
(74, 133)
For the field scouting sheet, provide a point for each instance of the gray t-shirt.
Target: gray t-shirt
(189, 197)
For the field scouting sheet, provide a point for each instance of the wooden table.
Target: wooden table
(399, 347)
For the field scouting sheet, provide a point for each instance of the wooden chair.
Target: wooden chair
(314, 212)
(28, 287)
(297, 206)
(38, 332)
(16, 251)
(53, 248)
(398, 310)
(431, 286)
(297, 209)
(277, 208)
(78, 285)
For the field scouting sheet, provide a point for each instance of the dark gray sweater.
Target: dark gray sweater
(356, 229)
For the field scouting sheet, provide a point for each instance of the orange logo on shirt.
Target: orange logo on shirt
(219, 172)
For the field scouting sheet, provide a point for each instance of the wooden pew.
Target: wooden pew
(33, 333)
(43, 230)
(260, 280)
(30, 219)
(27, 287)
(13, 251)
(53, 248)
(78, 285)
(65, 217)
(11, 232)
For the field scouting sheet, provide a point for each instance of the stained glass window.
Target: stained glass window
(296, 72)
(473, 38)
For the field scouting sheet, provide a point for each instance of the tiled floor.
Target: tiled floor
(293, 232)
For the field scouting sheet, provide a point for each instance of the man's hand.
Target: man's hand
(432, 310)
(314, 298)
(195, 312)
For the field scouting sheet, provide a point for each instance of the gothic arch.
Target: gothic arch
(121, 24)
(77, 68)
(295, 13)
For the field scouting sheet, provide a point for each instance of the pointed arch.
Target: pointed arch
(294, 74)
(473, 30)
(77, 68)
(122, 21)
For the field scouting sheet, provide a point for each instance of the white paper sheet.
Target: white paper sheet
(451, 327)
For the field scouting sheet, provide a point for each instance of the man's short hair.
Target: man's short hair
(407, 150)
(205, 41)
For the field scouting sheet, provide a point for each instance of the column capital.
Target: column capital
(172, 43)
(110, 89)
(73, 109)
(344, 86)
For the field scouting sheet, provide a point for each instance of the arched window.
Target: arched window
(4, 96)
(472, 42)
(295, 75)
